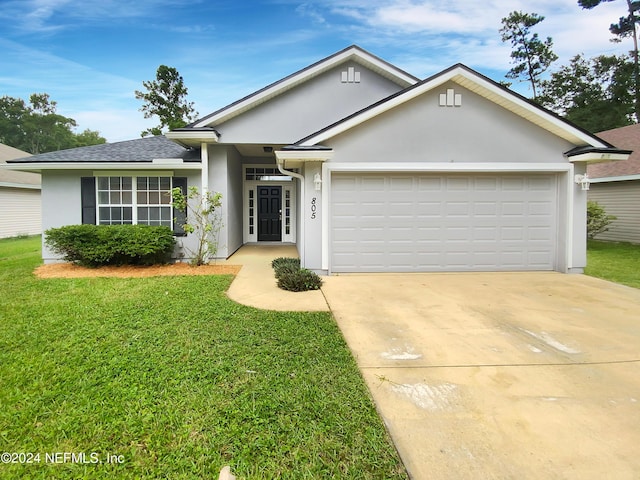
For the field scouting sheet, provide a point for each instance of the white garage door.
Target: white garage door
(453, 222)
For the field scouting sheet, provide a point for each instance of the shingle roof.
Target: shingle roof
(139, 150)
(625, 137)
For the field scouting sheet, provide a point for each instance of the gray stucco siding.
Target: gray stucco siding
(423, 131)
(307, 108)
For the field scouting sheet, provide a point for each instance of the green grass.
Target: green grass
(176, 379)
(617, 262)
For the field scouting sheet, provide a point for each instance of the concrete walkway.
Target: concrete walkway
(255, 285)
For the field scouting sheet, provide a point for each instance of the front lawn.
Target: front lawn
(167, 378)
(617, 262)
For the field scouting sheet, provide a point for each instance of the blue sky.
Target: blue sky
(91, 55)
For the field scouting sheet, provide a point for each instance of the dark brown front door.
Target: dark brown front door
(269, 214)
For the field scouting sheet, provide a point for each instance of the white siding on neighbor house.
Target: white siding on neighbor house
(621, 199)
(20, 212)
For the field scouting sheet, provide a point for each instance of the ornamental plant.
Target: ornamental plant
(203, 220)
(293, 278)
(597, 219)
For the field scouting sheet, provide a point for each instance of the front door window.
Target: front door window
(269, 213)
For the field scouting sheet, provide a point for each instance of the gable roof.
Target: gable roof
(16, 179)
(144, 149)
(352, 53)
(624, 137)
(479, 84)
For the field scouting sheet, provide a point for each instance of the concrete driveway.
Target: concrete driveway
(501, 375)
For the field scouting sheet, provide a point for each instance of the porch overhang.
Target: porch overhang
(193, 137)
(591, 154)
(294, 156)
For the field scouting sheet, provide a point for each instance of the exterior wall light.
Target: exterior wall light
(317, 182)
(583, 181)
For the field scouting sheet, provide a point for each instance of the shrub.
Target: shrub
(96, 245)
(597, 219)
(283, 264)
(299, 280)
(293, 278)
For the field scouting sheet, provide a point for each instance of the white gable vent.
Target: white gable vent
(450, 99)
(350, 76)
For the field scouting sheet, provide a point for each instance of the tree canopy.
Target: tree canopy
(531, 55)
(596, 93)
(166, 99)
(38, 128)
(626, 27)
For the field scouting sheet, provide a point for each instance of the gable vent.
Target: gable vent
(450, 99)
(350, 76)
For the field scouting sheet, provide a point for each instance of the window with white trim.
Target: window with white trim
(134, 200)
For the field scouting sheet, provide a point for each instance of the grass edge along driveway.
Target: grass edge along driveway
(165, 377)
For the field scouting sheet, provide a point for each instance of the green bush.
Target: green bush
(96, 245)
(293, 278)
(285, 264)
(299, 280)
(597, 219)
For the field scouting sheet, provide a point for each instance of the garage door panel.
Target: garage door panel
(455, 222)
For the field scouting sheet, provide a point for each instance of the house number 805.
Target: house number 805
(314, 207)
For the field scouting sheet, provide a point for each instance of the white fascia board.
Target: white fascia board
(621, 178)
(436, 167)
(125, 166)
(282, 86)
(20, 185)
(598, 157)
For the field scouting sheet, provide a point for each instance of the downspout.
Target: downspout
(280, 164)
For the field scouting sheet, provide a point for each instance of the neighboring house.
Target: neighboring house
(616, 186)
(19, 198)
(364, 167)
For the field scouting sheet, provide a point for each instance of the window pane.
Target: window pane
(142, 198)
(141, 183)
(127, 183)
(154, 184)
(105, 215)
(154, 213)
(165, 198)
(116, 214)
(127, 197)
(165, 214)
(103, 183)
(143, 214)
(103, 197)
(115, 198)
(114, 183)
(127, 213)
(165, 183)
(154, 198)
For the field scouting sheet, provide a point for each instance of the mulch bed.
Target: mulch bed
(69, 270)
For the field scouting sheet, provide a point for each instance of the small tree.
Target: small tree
(531, 56)
(203, 220)
(166, 98)
(597, 219)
